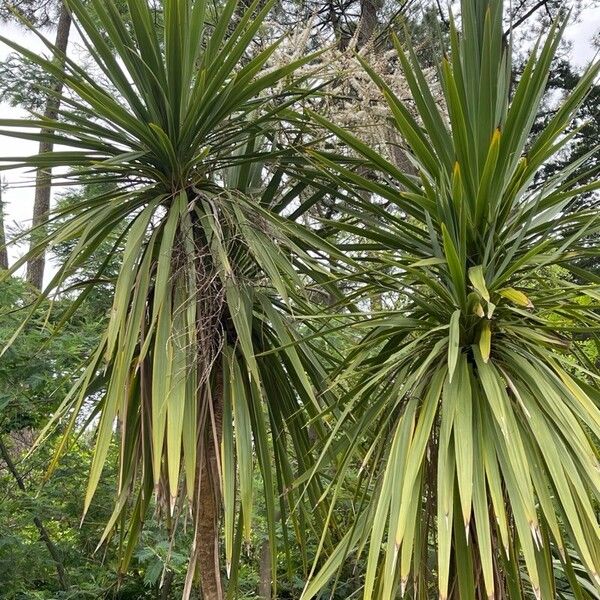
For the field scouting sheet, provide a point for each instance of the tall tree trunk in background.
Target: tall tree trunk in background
(3, 251)
(44, 535)
(41, 203)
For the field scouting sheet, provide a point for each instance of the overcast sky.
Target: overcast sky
(18, 197)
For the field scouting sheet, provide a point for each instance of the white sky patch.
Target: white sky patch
(581, 35)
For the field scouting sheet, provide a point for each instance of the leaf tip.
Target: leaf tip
(403, 583)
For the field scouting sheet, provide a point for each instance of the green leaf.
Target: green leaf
(453, 342)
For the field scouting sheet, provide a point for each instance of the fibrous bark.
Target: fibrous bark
(266, 571)
(3, 252)
(368, 21)
(209, 500)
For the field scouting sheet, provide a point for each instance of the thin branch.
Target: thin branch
(526, 16)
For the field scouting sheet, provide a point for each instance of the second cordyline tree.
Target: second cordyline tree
(474, 409)
(201, 371)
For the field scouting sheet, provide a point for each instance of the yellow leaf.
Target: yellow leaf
(516, 297)
(485, 340)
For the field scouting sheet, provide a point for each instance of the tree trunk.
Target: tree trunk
(368, 21)
(266, 575)
(165, 590)
(3, 251)
(209, 500)
(41, 203)
(44, 535)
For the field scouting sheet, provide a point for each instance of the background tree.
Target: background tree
(35, 372)
(41, 201)
(40, 14)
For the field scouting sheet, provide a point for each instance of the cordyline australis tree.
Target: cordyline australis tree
(473, 408)
(198, 361)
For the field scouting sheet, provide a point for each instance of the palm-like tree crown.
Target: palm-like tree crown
(182, 120)
(475, 404)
